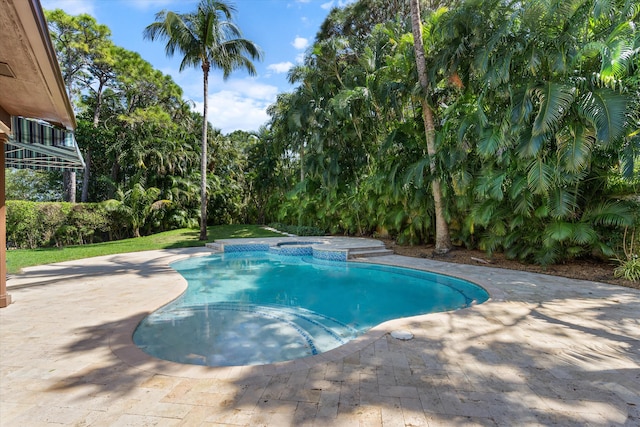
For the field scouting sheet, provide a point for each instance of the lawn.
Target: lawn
(183, 238)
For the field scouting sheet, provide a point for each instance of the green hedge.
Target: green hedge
(36, 224)
(298, 230)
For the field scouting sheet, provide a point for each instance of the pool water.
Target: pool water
(248, 308)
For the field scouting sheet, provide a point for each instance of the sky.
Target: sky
(284, 30)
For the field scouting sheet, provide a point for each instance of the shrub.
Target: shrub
(298, 230)
(36, 224)
(23, 228)
(629, 267)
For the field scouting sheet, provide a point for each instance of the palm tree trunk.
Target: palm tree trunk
(302, 163)
(115, 171)
(69, 185)
(203, 159)
(443, 241)
(86, 176)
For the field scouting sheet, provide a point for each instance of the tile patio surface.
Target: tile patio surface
(543, 351)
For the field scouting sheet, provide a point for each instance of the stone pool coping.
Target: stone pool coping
(543, 350)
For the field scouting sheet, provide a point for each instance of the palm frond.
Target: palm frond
(539, 176)
(546, 255)
(489, 142)
(606, 110)
(530, 145)
(575, 146)
(584, 234)
(555, 100)
(603, 8)
(610, 214)
(561, 202)
(557, 231)
(483, 213)
(491, 185)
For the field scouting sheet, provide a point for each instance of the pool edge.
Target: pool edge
(122, 345)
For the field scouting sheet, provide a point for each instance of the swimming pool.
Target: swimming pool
(256, 307)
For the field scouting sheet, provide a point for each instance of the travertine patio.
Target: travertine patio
(543, 351)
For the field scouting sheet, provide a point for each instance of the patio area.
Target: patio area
(543, 350)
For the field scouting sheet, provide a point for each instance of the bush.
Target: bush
(33, 224)
(629, 267)
(23, 225)
(298, 230)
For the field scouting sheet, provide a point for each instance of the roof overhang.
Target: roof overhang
(31, 83)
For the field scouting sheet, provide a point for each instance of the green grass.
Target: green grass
(182, 238)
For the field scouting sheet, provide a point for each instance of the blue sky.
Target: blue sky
(284, 29)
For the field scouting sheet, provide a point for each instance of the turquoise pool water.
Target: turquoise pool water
(247, 308)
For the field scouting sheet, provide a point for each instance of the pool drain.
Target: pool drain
(402, 335)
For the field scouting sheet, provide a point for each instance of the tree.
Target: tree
(33, 185)
(207, 38)
(443, 241)
(80, 42)
(544, 115)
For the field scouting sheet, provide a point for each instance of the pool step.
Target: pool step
(369, 252)
(355, 252)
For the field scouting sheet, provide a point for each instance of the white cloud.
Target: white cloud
(239, 105)
(328, 5)
(280, 67)
(71, 7)
(337, 3)
(300, 58)
(150, 4)
(300, 43)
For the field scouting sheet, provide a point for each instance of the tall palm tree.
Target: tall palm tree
(209, 39)
(443, 241)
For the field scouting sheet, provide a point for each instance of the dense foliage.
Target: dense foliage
(31, 225)
(537, 115)
(140, 139)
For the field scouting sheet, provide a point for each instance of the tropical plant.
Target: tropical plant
(629, 267)
(530, 128)
(443, 240)
(137, 204)
(207, 38)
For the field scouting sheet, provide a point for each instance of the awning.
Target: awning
(34, 144)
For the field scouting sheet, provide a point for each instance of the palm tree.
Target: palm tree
(548, 120)
(207, 38)
(443, 241)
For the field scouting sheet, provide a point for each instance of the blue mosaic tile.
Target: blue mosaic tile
(246, 247)
(292, 250)
(330, 255)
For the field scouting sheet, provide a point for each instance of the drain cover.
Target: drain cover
(402, 335)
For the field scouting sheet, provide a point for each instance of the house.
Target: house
(31, 87)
